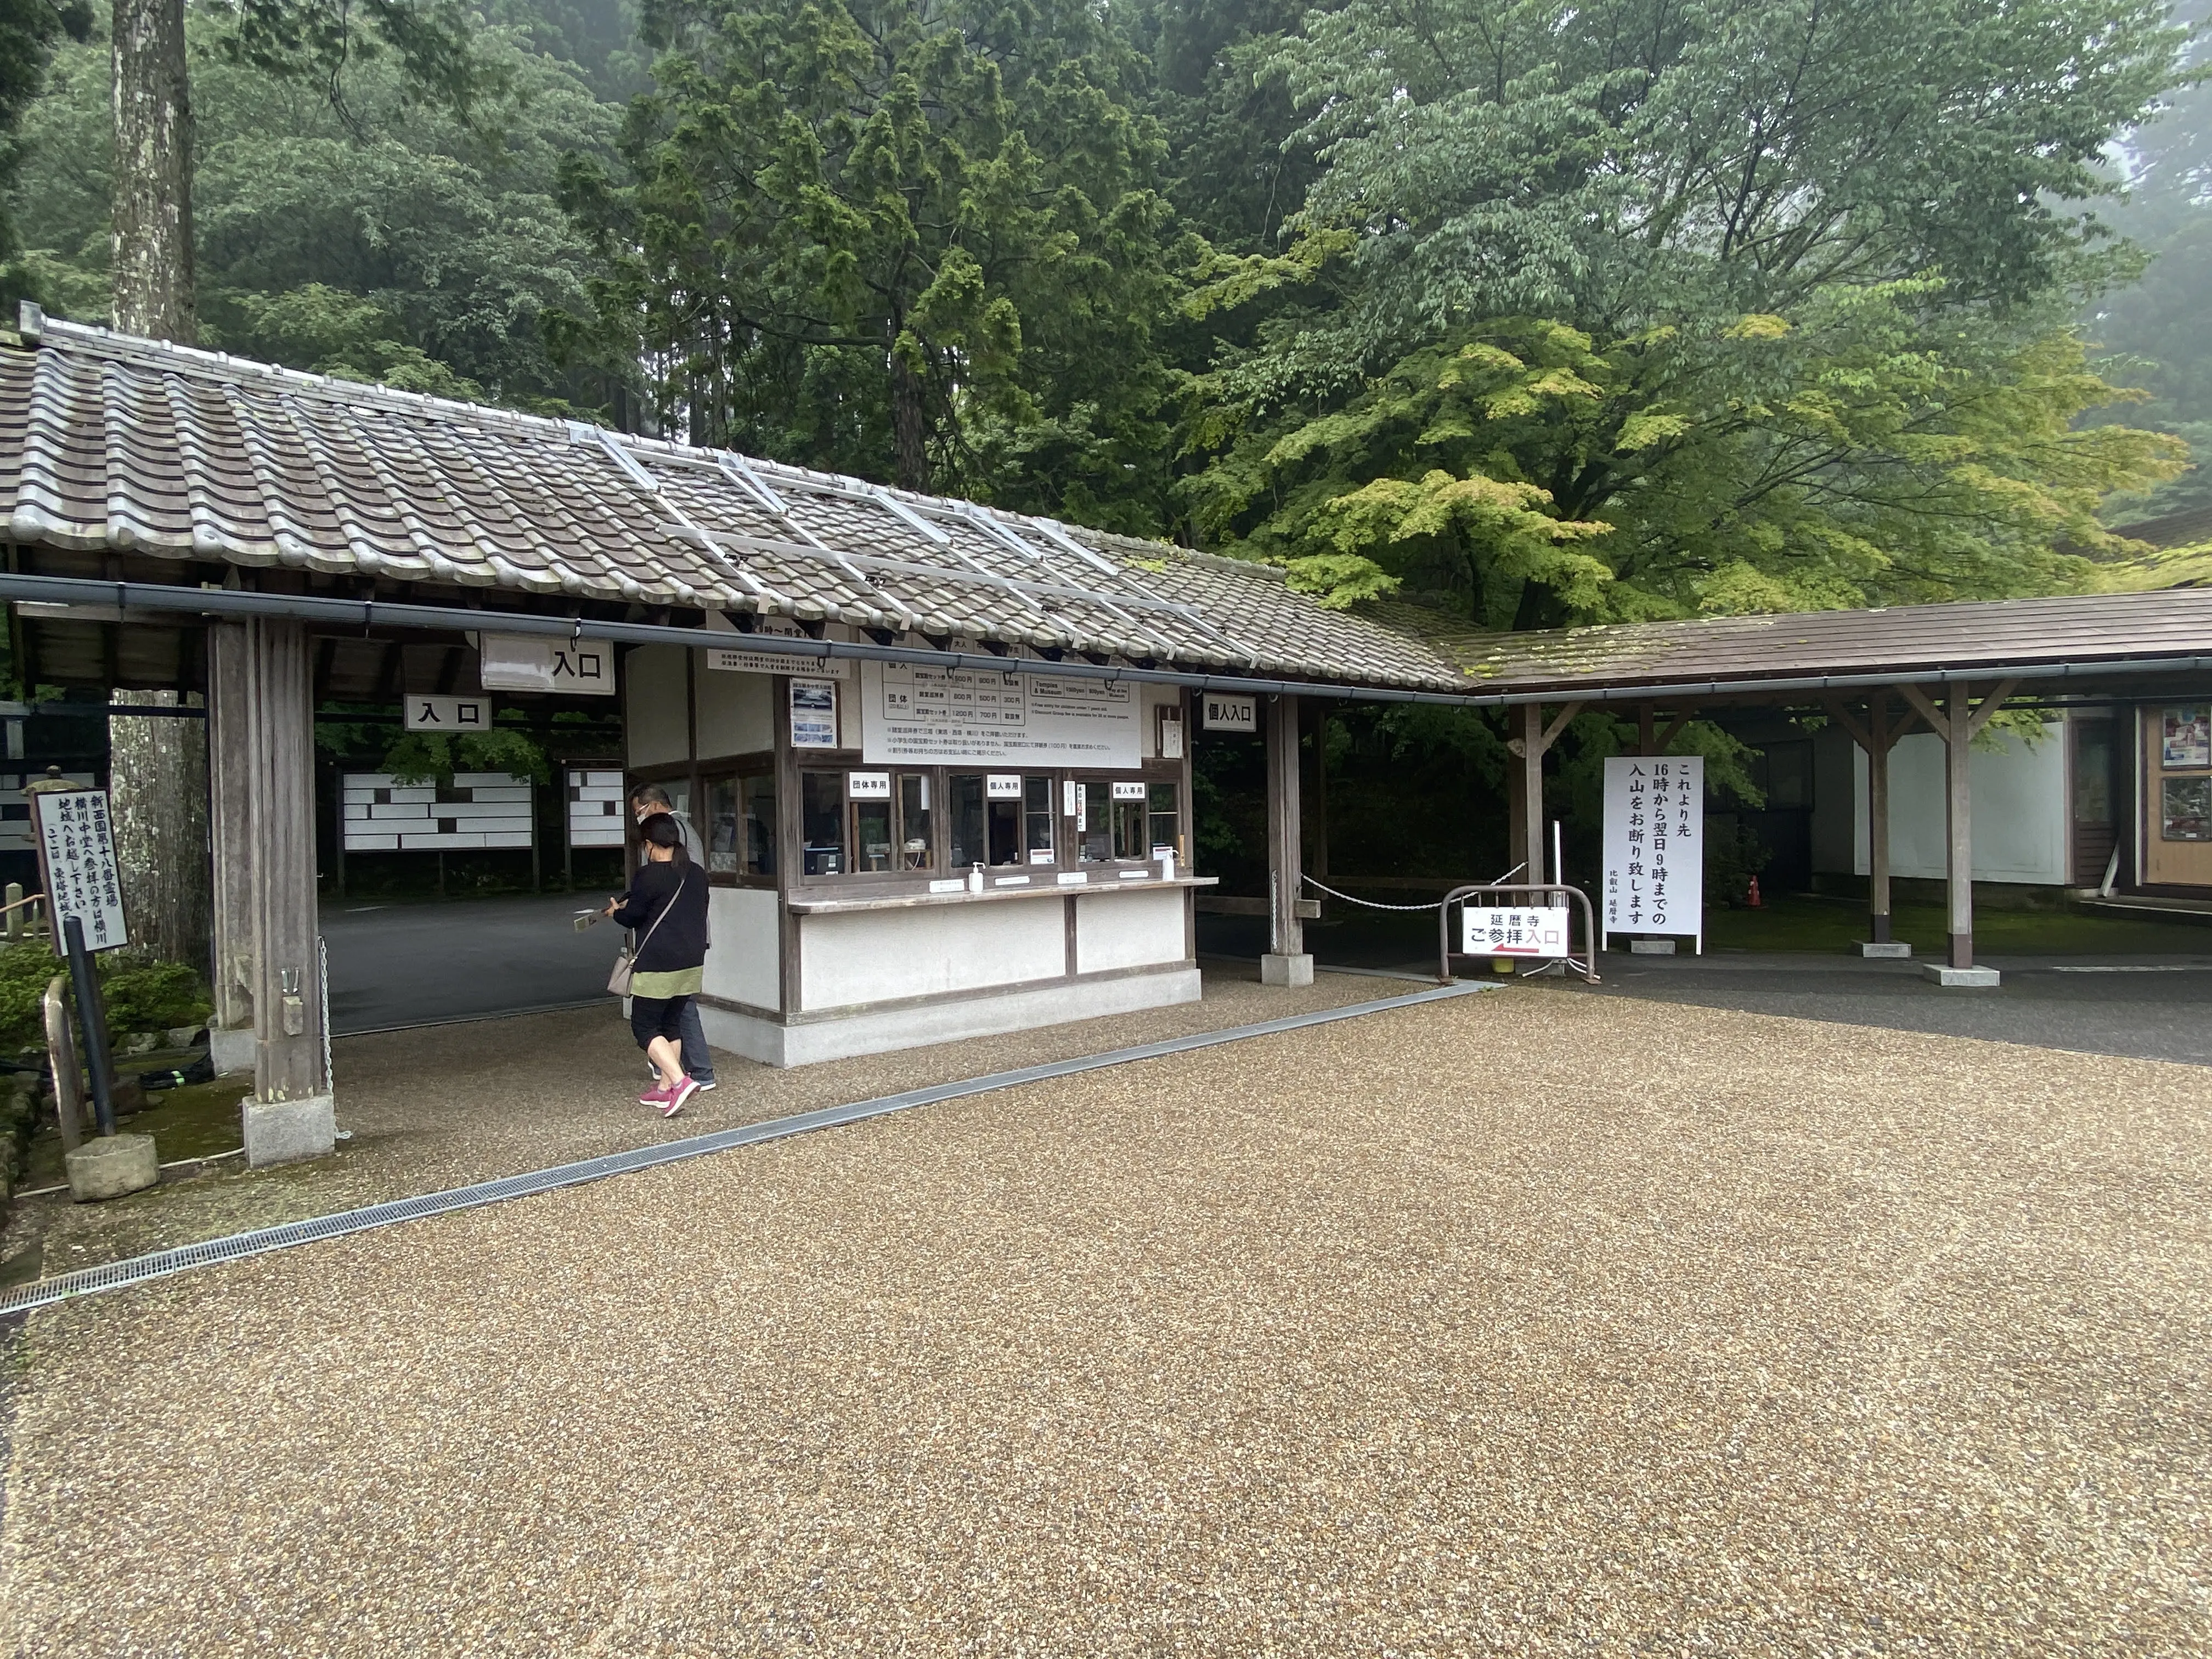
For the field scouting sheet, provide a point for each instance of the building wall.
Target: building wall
(1129, 930)
(875, 956)
(656, 705)
(2020, 810)
(745, 964)
(736, 712)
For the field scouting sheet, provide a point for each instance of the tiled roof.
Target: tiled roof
(1912, 642)
(113, 443)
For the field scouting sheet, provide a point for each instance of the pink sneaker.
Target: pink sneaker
(654, 1098)
(673, 1101)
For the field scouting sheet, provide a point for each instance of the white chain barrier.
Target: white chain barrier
(1370, 905)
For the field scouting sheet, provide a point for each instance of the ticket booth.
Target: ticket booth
(901, 855)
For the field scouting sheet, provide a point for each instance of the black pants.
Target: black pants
(657, 1017)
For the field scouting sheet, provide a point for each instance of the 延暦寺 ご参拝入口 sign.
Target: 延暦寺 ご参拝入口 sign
(76, 848)
(1655, 847)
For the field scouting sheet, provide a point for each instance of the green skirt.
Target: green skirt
(681, 982)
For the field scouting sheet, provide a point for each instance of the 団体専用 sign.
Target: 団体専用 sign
(1655, 847)
(425, 714)
(1527, 932)
(814, 713)
(868, 785)
(1221, 712)
(76, 846)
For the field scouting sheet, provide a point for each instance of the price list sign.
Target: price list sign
(76, 844)
(1655, 847)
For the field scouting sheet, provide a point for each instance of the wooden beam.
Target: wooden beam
(1646, 743)
(1937, 722)
(1881, 741)
(1959, 842)
(1559, 725)
(230, 827)
(1285, 883)
(1843, 716)
(1990, 705)
(1675, 728)
(288, 1002)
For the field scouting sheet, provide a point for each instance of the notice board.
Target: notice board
(1655, 847)
(963, 717)
(76, 847)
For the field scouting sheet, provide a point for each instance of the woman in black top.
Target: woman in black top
(667, 907)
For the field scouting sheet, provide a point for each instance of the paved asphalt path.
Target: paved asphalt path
(419, 964)
(2144, 1007)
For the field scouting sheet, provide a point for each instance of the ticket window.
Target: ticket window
(1111, 821)
(1000, 818)
(876, 849)
(1164, 817)
(822, 824)
(740, 827)
(916, 850)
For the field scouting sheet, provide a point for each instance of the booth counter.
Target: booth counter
(902, 856)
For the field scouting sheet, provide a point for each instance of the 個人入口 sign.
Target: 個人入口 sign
(76, 846)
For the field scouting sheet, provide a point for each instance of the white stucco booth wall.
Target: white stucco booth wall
(2019, 809)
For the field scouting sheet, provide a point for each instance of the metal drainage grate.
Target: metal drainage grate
(138, 1269)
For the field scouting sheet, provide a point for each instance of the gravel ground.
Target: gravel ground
(444, 1106)
(1536, 1322)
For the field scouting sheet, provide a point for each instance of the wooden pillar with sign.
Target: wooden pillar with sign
(1877, 735)
(230, 835)
(1287, 961)
(269, 692)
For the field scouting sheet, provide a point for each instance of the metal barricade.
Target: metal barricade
(1586, 967)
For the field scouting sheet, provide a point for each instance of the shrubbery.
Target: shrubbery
(142, 994)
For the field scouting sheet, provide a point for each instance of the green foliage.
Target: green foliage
(418, 757)
(390, 241)
(908, 238)
(142, 994)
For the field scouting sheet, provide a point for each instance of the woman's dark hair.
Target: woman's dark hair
(662, 831)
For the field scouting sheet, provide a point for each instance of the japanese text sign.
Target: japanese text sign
(77, 846)
(1655, 845)
(1527, 932)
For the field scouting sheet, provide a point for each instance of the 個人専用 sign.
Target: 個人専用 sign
(1538, 931)
(1655, 847)
(76, 845)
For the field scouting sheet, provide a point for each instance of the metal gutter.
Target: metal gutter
(117, 600)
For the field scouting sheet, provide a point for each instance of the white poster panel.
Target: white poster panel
(723, 659)
(1655, 847)
(478, 810)
(813, 714)
(1540, 931)
(79, 847)
(597, 814)
(982, 717)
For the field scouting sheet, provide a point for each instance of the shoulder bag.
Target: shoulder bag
(625, 963)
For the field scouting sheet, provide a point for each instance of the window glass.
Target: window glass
(821, 823)
(987, 826)
(1166, 821)
(966, 806)
(721, 828)
(871, 837)
(756, 806)
(1037, 812)
(1130, 841)
(1094, 821)
(914, 847)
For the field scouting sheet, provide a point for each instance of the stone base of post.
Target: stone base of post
(110, 1166)
(1959, 976)
(230, 1052)
(1286, 971)
(1882, 947)
(286, 1131)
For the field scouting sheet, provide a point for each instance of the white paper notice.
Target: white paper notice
(978, 717)
(1540, 931)
(1655, 847)
(79, 845)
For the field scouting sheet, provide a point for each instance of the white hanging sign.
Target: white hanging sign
(725, 661)
(1219, 712)
(425, 714)
(1655, 847)
(76, 844)
(535, 662)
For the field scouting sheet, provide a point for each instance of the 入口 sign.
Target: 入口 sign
(1219, 711)
(76, 846)
(448, 714)
(531, 662)
(1539, 932)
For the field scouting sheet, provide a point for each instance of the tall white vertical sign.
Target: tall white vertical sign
(1655, 847)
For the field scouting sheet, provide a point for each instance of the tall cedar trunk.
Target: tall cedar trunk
(151, 273)
(157, 767)
(909, 426)
(157, 777)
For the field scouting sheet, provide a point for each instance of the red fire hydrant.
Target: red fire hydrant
(1754, 902)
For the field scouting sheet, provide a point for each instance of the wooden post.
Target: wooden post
(1957, 723)
(230, 835)
(1287, 961)
(1877, 753)
(1532, 791)
(288, 1114)
(1316, 830)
